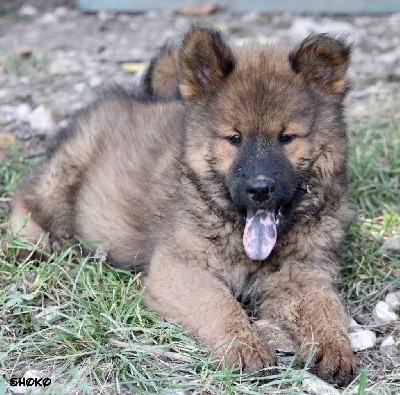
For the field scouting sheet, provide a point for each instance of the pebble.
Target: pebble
(95, 81)
(305, 26)
(27, 10)
(389, 341)
(48, 19)
(393, 299)
(61, 12)
(314, 385)
(23, 135)
(383, 315)
(29, 374)
(388, 347)
(392, 243)
(276, 335)
(362, 340)
(355, 326)
(22, 112)
(64, 66)
(42, 118)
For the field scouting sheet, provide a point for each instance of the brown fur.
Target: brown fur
(148, 183)
(161, 78)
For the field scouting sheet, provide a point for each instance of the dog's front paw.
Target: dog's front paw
(251, 354)
(331, 359)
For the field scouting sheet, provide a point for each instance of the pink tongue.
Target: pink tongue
(259, 236)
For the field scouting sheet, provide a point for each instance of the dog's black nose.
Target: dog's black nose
(260, 189)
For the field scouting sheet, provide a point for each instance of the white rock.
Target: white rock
(105, 16)
(49, 314)
(80, 87)
(22, 112)
(303, 26)
(61, 11)
(42, 118)
(48, 19)
(314, 385)
(388, 347)
(29, 374)
(28, 10)
(392, 243)
(355, 326)
(64, 66)
(389, 341)
(95, 81)
(392, 299)
(362, 340)
(382, 313)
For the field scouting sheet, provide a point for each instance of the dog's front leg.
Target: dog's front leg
(192, 296)
(306, 297)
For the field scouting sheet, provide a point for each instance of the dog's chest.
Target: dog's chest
(227, 259)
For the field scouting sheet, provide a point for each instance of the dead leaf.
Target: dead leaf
(6, 139)
(133, 67)
(200, 10)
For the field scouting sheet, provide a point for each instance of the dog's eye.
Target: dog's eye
(286, 138)
(235, 139)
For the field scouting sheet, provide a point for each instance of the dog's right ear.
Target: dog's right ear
(161, 78)
(205, 61)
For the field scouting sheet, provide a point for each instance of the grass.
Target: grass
(83, 323)
(374, 174)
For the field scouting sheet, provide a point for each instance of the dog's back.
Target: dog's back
(119, 151)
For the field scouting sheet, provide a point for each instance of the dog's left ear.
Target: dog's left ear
(205, 61)
(323, 60)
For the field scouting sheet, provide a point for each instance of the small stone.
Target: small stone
(389, 341)
(105, 16)
(23, 135)
(5, 119)
(48, 19)
(362, 340)
(383, 315)
(22, 112)
(388, 351)
(95, 81)
(314, 385)
(198, 10)
(390, 244)
(29, 374)
(355, 326)
(251, 17)
(27, 10)
(64, 66)
(276, 335)
(80, 87)
(61, 12)
(49, 314)
(392, 299)
(42, 119)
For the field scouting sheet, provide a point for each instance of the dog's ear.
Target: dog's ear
(323, 60)
(161, 78)
(205, 61)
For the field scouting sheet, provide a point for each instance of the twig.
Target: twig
(150, 350)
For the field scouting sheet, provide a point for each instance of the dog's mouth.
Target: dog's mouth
(260, 232)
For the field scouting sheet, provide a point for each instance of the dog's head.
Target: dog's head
(257, 120)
